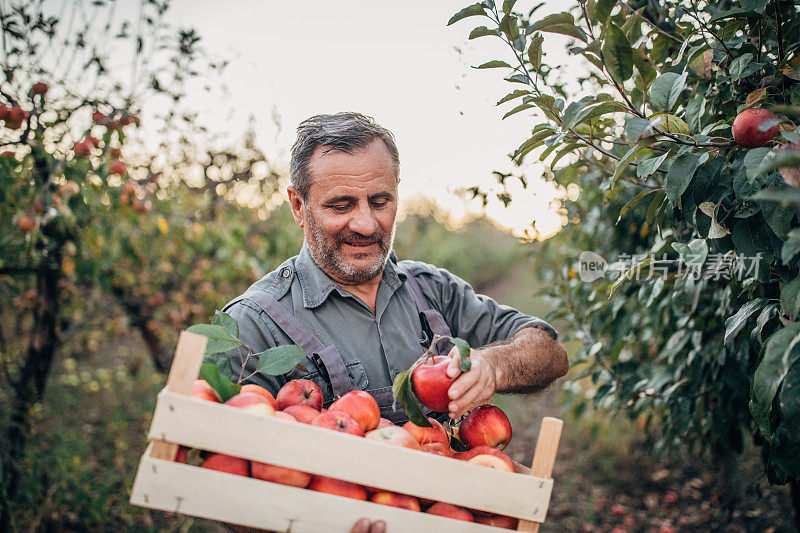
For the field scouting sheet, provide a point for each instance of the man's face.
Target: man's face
(349, 215)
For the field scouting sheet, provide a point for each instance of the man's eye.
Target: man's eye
(380, 203)
(340, 207)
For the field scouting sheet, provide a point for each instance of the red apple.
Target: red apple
(26, 224)
(384, 422)
(117, 167)
(484, 450)
(745, 128)
(201, 389)
(505, 522)
(394, 499)
(431, 382)
(250, 387)
(437, 448)
(17, 114)
(338, 421)
(492, 461)
(486, 425)
(180, 457)
(450, 511)
(338, 487)
(250, 401)
(39, 88)
(227, 463)
(361, 406)
(300, 392)
(285, 416)
(280, 474)
(423, 435)
(303, 413)
(394, 435)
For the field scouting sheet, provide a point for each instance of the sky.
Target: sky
(398, 62)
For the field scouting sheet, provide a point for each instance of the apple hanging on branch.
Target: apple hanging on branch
(223, 336)
(427, 381)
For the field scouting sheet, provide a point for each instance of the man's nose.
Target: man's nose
(364, 221)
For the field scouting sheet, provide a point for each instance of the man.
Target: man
(362, 315)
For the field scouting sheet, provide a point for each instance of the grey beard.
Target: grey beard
(327, 256)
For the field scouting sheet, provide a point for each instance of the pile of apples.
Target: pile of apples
(485, 430)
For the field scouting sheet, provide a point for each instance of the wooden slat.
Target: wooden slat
(182, 374)
(543, 460)
(220, 428)
(175, 487)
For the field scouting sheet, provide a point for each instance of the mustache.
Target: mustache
(358, 239)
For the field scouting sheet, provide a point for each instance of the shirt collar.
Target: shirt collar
(316, 285)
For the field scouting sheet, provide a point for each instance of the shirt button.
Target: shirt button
(286, 272)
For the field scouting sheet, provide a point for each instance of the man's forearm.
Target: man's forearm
(527, 362)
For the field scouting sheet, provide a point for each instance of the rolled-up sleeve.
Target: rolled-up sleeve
(476, 318)
(254, 332)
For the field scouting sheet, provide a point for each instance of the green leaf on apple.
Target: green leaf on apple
(280, 360)
(219, 338)
(403, 392)
(224, 387)
(463, 349)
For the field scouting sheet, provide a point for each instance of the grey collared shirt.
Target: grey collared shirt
(375, 346)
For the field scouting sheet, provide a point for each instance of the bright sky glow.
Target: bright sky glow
(395, 61)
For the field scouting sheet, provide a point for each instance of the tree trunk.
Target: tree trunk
(29, 388)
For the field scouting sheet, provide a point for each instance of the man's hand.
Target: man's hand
(472, 388)
(363, 525)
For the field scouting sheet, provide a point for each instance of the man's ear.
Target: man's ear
(297, 203)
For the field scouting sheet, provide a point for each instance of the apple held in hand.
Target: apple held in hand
(300, 392)
(486, 425)
(746, 131)
(431, 382)
(361, 406)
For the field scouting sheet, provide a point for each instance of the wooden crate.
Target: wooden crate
(180, 418)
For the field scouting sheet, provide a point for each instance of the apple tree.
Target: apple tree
(692, 323)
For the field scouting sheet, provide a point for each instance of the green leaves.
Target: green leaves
(736, 323)
(744, 66)
(535, 52)
(617, 54)
(781, 352)
(680, 175)
(219, 338)
(463, 349)
(495, 63)
(562, 23)
(403, 392)
(482, 31)
(280, 360)
(469, 11)
(224, 386)
(666, 89)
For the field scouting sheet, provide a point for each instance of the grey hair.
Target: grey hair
(346, 131)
